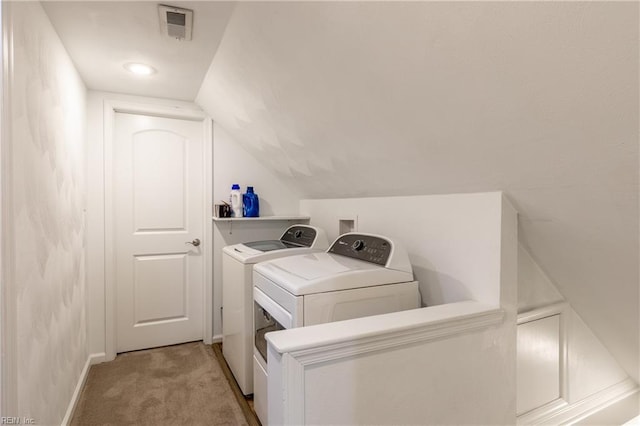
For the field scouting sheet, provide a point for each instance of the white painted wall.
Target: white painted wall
(591, 366)
(587, 376)
(45, 206)
(536, 99)
(233, 164)
(452, 240)
(535, 290)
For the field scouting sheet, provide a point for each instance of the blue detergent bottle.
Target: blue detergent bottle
(250, 203)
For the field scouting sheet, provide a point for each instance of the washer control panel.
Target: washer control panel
(363, 247)
(302, 236)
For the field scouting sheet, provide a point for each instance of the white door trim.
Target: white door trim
(111, 107)
(8, 314)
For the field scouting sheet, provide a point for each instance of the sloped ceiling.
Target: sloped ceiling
(539, 99)
(102, 36)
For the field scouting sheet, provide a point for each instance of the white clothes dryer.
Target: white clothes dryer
(237, 292)
(359, 275)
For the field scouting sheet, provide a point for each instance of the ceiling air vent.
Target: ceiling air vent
(176, 22)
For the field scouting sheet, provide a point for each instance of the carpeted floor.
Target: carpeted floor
(173, 385)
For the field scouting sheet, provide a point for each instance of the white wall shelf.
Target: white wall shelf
(261, 218)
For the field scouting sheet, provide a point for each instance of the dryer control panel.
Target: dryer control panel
(302, 236)
(363, 247)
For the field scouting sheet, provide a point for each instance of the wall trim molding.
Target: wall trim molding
(75, 398)
(544, 312)
(420, 334)
(562, 413)
(8, 315)
(98, 358)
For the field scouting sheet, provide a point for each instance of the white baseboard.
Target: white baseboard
(91, 360)
(605, 399)
(562, 413)
(98, 358)
(633, 422)
(217, 338)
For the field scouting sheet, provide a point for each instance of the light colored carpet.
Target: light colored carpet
(173, 385)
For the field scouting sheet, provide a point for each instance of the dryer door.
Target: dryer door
(267, 316)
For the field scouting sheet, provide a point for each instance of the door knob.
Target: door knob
(194, 243)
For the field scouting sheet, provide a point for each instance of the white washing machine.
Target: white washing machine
(359, 275)
(237, 294)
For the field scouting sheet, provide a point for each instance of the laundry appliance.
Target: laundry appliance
(359, 275)
(237, 294)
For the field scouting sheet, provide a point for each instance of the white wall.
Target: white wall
(45, 205)
(536, 99)
(452, 240)
(232, 164)
(585, 371)
(535, 290)
(591, 366)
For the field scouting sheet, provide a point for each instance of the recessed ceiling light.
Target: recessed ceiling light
(139, 69)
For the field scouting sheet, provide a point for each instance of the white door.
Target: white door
(158, 173)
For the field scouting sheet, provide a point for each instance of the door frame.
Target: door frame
(111, 107)
(8, 314)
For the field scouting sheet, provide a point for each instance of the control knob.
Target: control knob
(357, 245)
